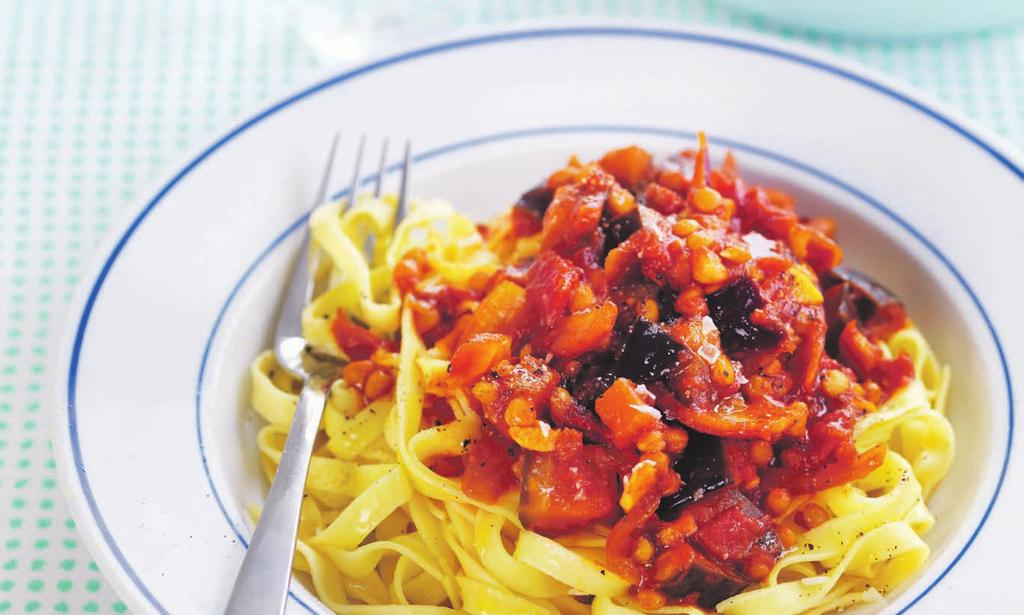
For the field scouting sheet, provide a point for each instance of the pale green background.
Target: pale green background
(98, 98)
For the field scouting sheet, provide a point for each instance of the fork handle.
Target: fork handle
(262, 583)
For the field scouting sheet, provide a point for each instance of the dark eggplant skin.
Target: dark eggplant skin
(718, 571)
(649, 354)
(866, 295)
(536, 199)
(730, 309)
(714, 582)
(590, 384)
(619, 228)
(702, 468)
(851, 295)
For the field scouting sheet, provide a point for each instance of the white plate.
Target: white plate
(154, 440)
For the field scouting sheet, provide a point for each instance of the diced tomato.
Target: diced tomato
(425, 316)
(841, 473)
(726, 179)
(563, 492)
(436, 412)
(488, 467)
(731, 534)
(709, 507)
(583, 331)
(627, 412)
(759, 213)
(867, 359)
(738, 460)
(478, 354)
(410, 269)
(356, 342)
(503, 310)
(550, 285)
(656, 259)
(630, 165)
(663, 200)
(827, 458)
(893, 374)
(812, 349)
(447, 466)
(858, 351)
(525, 222)
(576, 210)
(814, 247)
(890, 318)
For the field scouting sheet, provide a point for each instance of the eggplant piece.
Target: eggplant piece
(703, 469)
(666, 304)
(649, 354)
(731, 535)
(864, 296)
(561, 493)
(589, 385)
(769, 542)
(713, 581)
(619, 228)
(595, 375)
(851, 295)
(730, 309)
(730, 530)
(536, 199)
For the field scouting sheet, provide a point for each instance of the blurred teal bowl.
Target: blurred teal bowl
(888, 18)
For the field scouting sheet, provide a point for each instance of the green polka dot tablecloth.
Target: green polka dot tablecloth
(96, 98)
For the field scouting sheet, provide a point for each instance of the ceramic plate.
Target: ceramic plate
(154, 439)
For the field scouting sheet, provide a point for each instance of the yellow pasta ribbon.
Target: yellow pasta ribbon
(381, 533)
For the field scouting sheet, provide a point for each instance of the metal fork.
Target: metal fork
(262, 583)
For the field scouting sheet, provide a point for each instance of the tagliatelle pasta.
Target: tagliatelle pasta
(397, 518)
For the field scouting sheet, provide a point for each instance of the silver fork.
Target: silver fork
(261, 586)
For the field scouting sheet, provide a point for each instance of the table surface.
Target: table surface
(97, 98)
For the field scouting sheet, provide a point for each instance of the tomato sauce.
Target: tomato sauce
(682, 356)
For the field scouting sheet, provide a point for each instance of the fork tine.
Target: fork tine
(302, 286)
(325, 179)
(355, 173)
(403, 186)
(380, 167)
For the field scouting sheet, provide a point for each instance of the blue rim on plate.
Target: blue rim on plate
(719, 40)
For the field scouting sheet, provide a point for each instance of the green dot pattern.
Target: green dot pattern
(97, 98)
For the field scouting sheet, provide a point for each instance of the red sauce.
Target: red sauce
(669, 300)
